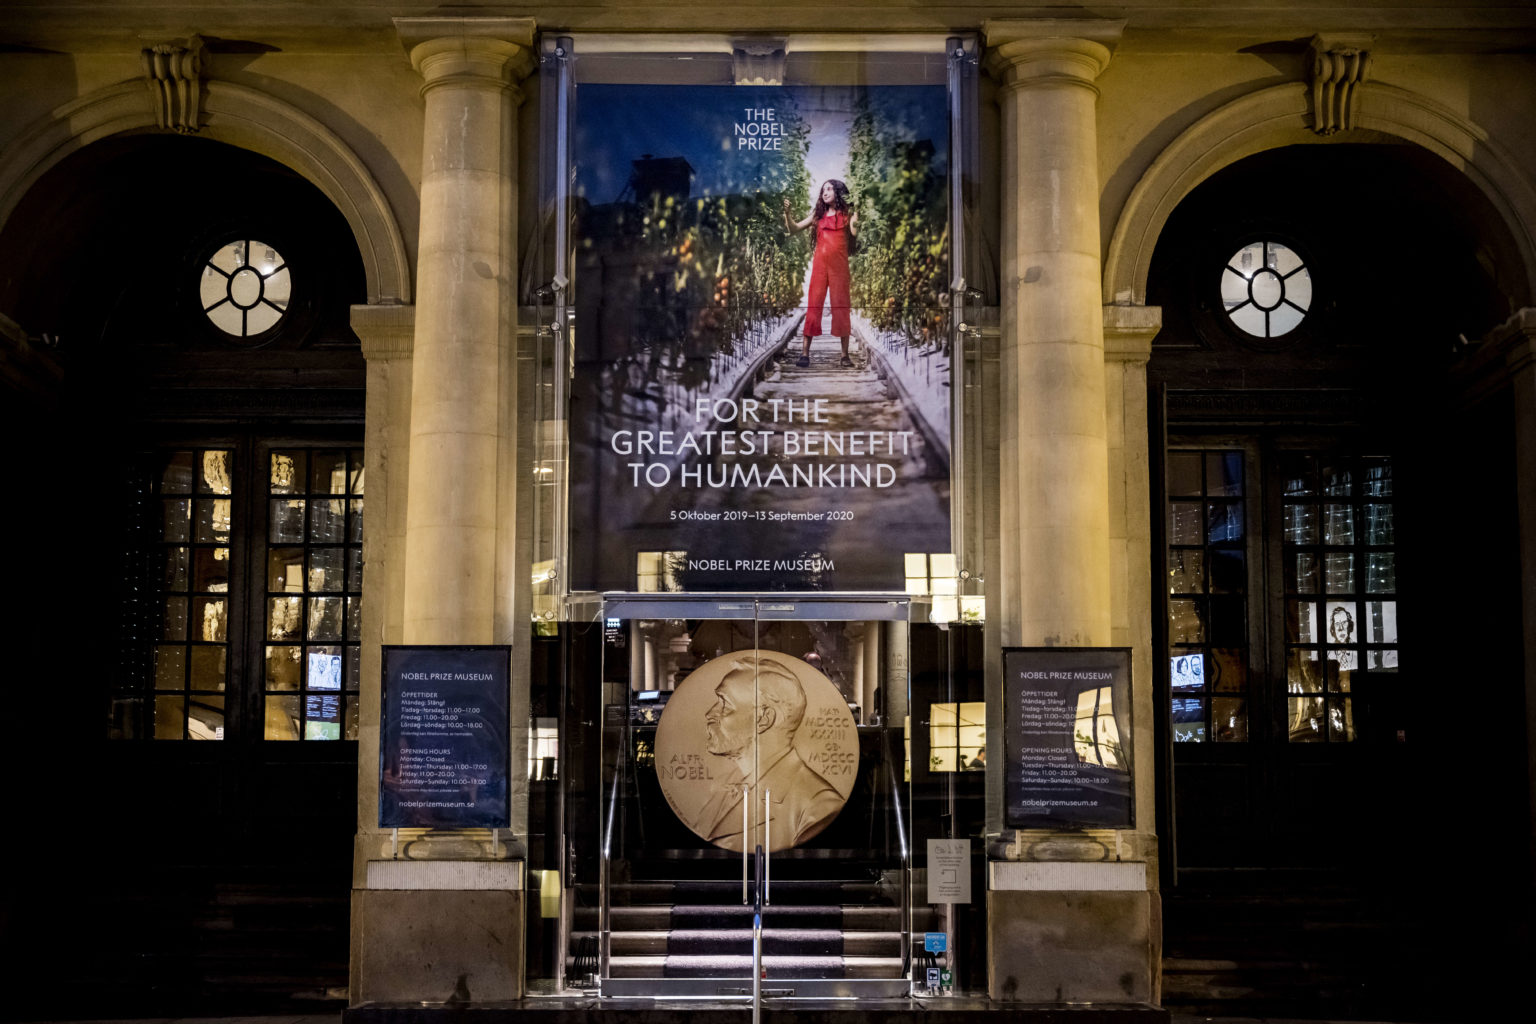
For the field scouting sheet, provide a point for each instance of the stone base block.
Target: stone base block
(1071, 947)
(432, 945)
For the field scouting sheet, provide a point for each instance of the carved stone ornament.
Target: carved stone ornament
(1339, 67)
(758, 62)
(174, 74)
(752, 735)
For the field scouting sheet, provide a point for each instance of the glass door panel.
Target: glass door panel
(733, 724)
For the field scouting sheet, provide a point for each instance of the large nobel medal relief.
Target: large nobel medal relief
(749, 724)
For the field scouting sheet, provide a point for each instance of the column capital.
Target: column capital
(1036, 51)
(386, 332)
(1128, 332)
(475, 52)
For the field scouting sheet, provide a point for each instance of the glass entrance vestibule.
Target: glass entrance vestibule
(725, 725)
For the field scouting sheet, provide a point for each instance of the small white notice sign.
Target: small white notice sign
(949, 871)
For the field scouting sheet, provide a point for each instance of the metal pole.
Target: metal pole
(767, 849)
(745, 788)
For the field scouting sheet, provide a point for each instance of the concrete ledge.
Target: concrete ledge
(1067, 876)
(451, 875)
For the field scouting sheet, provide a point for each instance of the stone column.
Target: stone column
(444, 922)
(386, 333)
(1520, 361)
(465, 294)
(1070, 917)
(1055, 500)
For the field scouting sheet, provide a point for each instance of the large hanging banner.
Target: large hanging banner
(761, 398)
(1067, 737)
(444, 737)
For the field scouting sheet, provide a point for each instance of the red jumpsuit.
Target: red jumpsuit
(829, 273)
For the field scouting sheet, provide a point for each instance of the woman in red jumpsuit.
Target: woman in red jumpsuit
(835, 223)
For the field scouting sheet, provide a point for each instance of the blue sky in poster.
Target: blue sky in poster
(617, 124)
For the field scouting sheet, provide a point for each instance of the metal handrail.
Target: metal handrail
(906, 870)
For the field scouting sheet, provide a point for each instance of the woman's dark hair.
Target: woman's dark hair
(839, 198)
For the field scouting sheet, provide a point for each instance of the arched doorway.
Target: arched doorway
(1330, 487)
(195, 298)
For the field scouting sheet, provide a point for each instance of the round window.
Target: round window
(1266, 289)
(245, 288)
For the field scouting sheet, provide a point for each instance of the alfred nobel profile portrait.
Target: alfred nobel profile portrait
(761, 700)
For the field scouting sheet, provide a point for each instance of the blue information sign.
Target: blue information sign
(935, 942)
(444, 737)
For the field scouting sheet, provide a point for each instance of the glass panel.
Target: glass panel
(325, 618)
(1341, 720)
(288, 472)
(350, 729)
(170, 668)
(1338, 524)
(328, 473)
(1378, 478)
(1229, 571)
(1301, 524)
(176, 520)
(125, 717)
(1339, 572)
(261, 318)
(1381, 571)
(327, 521)
(1381, 622)
(213, 520)
(215, 476)
(1224, 474)
(1301, 671)
(357, 472)
(287, 521)
(1382, 660)
(1186, 673)
(1184, 523)
(1286, 318)
(176, 565)
(1227, 621)
(1186, 572)
(1188, 720)
(170, 718)
(1378, 526)
(1341, 665)
(1184, 474)
(1229, 670)
(1185, 622)
(1298, 291)
(353, 665)
(209, 615)
(322, 716)
(325, 572)
(1342, 629)
(205, 718)
(278, 289)
(175, 619)
(1337, 480)
(208, 667)
(355, 523)
(1229, 720)
(228, 318)
(283, 664)
(1249, 319)
(322, 669)
(282, 718)
(1301, 572)
(285, 570)
(212, 570)
(354, 570)
(354, 617)
(176, 478)
(1301, 622)
(1307, 723)
(1224, 521)
(285, 617)
(1234, 288)
(1299, 473)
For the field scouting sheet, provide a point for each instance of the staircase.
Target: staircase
(680, 936)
